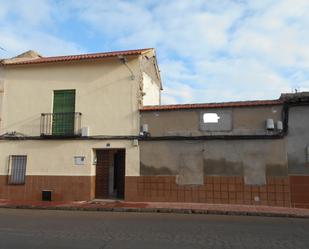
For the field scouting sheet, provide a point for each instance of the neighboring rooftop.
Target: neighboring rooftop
(32, 57)
(212, 105)
(298, 96)
(285, 97)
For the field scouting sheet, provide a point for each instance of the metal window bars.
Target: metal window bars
(17, 169)
(66, 124)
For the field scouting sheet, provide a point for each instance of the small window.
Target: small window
(17, 169)
(210, 118)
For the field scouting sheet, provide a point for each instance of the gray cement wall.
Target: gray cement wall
(298, 140)
(253, 159)
(190, 160)
(241, 120)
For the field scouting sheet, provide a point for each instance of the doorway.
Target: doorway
(110, 174)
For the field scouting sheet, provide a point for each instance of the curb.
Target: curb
(158, 210)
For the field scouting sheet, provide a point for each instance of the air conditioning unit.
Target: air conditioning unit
(279, 125)
(270, 124)
(145, 128)
(85, 131)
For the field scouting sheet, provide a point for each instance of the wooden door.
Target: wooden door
(102, 174)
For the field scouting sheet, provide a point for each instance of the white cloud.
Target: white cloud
(177, 93)
(25, 25)
(45, 44)
(207, 50)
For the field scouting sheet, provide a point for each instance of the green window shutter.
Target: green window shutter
(64, 112)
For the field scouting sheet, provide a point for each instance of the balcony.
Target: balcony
(66, 124)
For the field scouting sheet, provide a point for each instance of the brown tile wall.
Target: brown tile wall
(299, 191)
(65, 188)
(216, 189)
(277, 192)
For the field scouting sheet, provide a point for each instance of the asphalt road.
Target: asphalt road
(103, 230)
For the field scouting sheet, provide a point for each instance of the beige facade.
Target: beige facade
(108, 94)
(56, 157)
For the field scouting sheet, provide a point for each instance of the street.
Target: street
(103, 230)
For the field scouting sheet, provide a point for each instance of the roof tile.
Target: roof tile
(212, 105)
(76, 57)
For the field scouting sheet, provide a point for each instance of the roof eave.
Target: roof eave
(239, 104)
(76, 58)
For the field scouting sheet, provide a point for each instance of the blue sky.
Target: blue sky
(208, 50)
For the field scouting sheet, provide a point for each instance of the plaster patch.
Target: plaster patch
(191, 170)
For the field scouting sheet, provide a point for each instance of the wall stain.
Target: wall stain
(223, 167)
(295, 162)
(276, 170)
(146, 170)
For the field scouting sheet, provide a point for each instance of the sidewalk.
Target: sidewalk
(160, 207)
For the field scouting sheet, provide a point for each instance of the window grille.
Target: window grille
(17, 169)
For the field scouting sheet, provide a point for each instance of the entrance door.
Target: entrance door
(63, 112)
(110, 173)
(119, 173)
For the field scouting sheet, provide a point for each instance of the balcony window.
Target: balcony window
(64, 121)
(61, 124)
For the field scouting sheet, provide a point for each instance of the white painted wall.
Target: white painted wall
(151, 91)
(56, 157)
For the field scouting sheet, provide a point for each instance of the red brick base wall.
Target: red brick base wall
(64, 188)
(299, 191)
(216, 189)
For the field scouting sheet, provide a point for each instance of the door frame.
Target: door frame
(110, 153)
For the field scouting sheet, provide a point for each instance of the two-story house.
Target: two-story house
(69, 124)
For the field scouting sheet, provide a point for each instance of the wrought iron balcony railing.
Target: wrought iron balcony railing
(66, 124)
